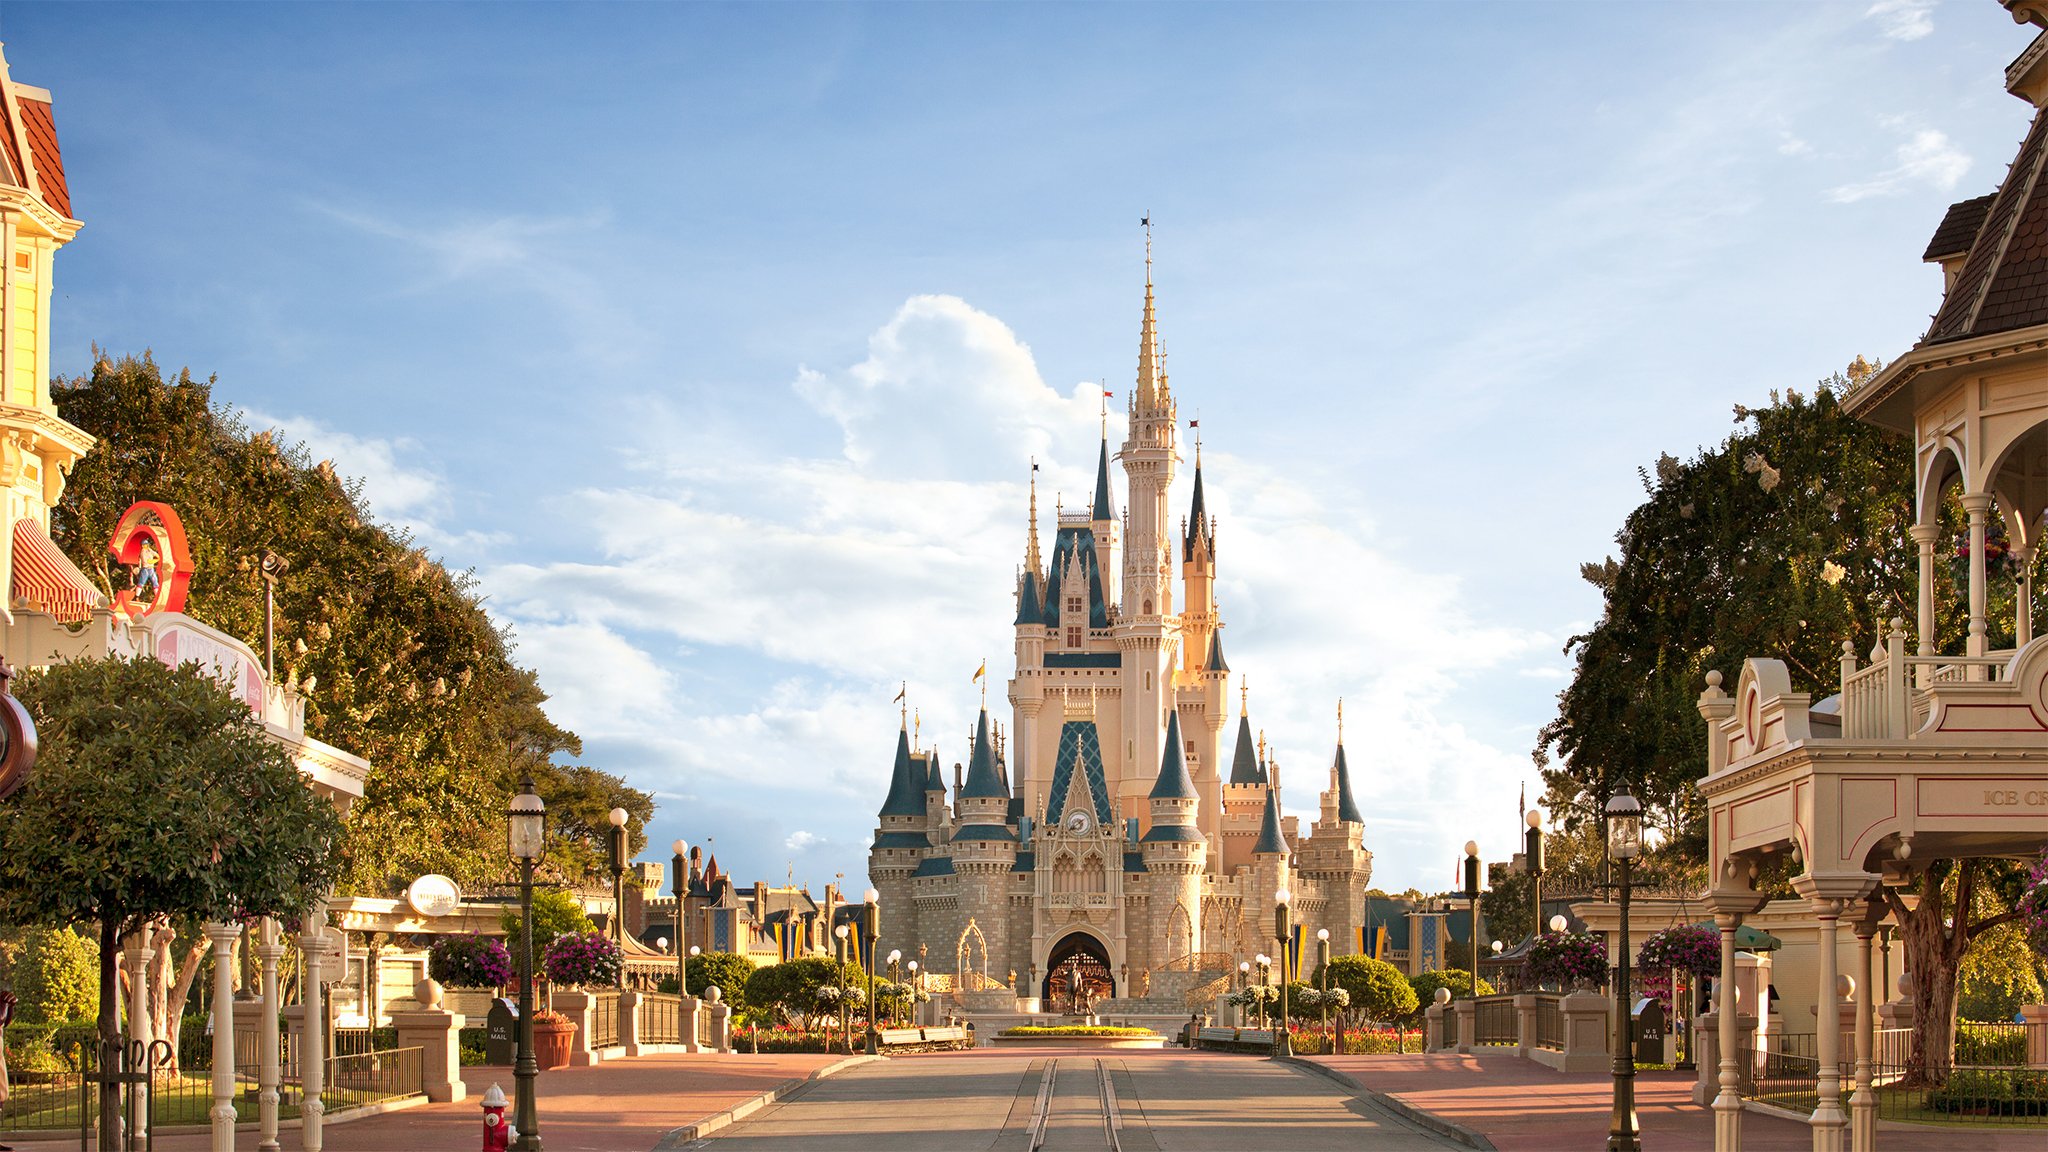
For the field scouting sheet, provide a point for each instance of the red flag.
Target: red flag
(1108, 395)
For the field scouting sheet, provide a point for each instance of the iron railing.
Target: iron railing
(1494, 1021)
(661, 1018)
(604, 1020)
(1550, 1023)
(1787, 1075)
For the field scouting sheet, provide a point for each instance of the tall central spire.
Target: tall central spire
(1147, 394)
(1031, 559)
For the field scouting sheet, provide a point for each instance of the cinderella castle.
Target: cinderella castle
(1097, 848)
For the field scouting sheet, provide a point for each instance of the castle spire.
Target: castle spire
(982, 780)
(1102, 510)
(1147, 394)
(1031, 559)
(1173, 782)
(1340, 777)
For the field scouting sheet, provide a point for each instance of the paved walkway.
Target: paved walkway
(1521, 1106)
(623, 1106)
(1078, 1100)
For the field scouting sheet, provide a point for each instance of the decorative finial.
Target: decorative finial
(1194, 425)
(1146, 221)
(917, 730)
(1340, 719)
(1104, 385)
(1244, 695)
(902, 695)
(1031, 545)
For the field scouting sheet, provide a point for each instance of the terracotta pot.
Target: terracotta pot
(551, 1044)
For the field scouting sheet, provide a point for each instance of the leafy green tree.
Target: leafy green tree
(1459, 981)
(555, 913)
(156, 793)
(1505, 907)
(1999, 974)
(789, 989)
(400, 663)
(56, 975)
(1378, 990)
(728, 970)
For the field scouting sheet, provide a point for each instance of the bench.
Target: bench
(941, 1039)
(1258, 1040)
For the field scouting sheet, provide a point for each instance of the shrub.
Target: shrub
(555, 913)
(583, 960)
(1075, 1030)
(470, 961)
(1425, 984)
(790, 989)
(1377, 990)
(729, 970)
(57, 975)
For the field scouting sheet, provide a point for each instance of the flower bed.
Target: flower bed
(1076, 1030)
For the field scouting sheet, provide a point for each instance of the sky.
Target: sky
(717, 340)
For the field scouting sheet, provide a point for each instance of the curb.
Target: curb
(1430, 1120)
(688, 1134)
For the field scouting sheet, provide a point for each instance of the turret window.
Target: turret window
(1073, 603)
(1073, 637)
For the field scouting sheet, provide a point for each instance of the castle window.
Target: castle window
(1073, 603)
(1073, 637)
(1148, 607)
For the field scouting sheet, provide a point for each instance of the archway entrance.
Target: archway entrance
(1077, 975)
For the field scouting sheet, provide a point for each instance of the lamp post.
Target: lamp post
(896, 980)
(1472, 901)
(526, 836)
(1265, 964)
(1323, 964)
(912, 999)
(680, 885)
(840, 934)
(1283, 1042)
(1624, 845)
(871, 931)
(1532, 860)
(618, 838)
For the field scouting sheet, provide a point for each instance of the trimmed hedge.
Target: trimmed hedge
(1075, 1030)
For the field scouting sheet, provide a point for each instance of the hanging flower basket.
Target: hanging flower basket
(1567, 959)
(470, 961)
(1694, 949)
(1999, 562)
(583, 960)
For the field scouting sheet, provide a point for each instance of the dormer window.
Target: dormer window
(1073, 603)
(1073, 637)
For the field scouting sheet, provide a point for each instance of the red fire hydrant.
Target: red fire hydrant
(497, 1132)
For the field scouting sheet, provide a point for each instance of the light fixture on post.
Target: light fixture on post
(1624, 846)
(1283, 1041)
(1532, 860)
(526, 838)
(840, 934)
(1323, 965)
(911, 1000)
(1265, 965)
(680, 885)
(619, 816)
(895, 981)
(1558, 923)
(1472, 902)
(871, 931)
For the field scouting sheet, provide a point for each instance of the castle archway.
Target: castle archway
(1078, 974)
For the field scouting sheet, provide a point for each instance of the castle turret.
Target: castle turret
(984, 843)
(1334, 854)
(1102, 516)
(901, 842)
(1146, 623)
(1176, 855)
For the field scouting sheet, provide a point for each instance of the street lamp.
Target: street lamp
(1323, 963)
(871, 931)
(895, 977)
(1265, 964)
(1624, 845)
(1532, 860)
(913, 990)
(1283, 1043)
(680, 885)
(618, 838)
(1558, 923)
(526, 837)
(1472, 900)
(840, 934)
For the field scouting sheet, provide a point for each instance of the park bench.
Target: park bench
(939, 1039)
(1236, 1039)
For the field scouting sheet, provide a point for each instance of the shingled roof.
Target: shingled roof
(2003, 284)
(1959, 227)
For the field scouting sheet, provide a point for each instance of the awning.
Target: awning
(1749, 939)
(46, 579)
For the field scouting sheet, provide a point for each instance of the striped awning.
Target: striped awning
(46, 579)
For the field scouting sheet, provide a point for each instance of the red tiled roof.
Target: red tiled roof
(2004, 281)
(1959, 227)
(42, 142)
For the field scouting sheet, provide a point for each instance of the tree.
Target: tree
(398, 660)
(555, 913)
(790, 989)
(728, 970)
(213, 819)
(1457, 980)
(55, 975)
(1505, 907)
(1378, 990)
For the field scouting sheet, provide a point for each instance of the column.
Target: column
(2023, 614)
(1924, 536)
(1863, 1105)
(1727, 1105)
(1828, 1121)
(223, 1112)
(135, 958)
(313, 1036)
(269, 950)
(1978, 505)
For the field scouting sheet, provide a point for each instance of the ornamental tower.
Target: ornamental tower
(1175, 855)
(1145, 626)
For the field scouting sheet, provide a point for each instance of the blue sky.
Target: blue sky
(716, 339)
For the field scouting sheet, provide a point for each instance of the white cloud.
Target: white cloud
(1903, 19)
(744, 616)
(1790, 145)
(1927, 156)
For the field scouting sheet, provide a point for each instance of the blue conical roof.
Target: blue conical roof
(1174, 783)
(1270, 838)
(982, 780)
(1198, 519)
(1347, 808)
(1102, 509)
(1216, 662)
(935, 780)
(906, 797)
(1030, 600)
(1244, 766)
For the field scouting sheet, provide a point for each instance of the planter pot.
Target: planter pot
(551, 1044)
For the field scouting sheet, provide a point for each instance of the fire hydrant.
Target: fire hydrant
(497, 1132)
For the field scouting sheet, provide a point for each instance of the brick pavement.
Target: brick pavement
(1522, 1106)
(622, 1106)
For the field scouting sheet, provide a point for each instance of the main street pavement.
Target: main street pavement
(1075, 1099)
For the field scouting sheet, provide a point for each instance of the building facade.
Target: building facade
(1109, 834)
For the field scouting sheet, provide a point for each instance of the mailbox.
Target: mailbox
(1649, 1030)
(501, 1032)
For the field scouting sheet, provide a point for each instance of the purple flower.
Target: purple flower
(470, 961)
(583, 959)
